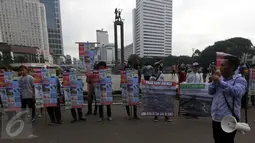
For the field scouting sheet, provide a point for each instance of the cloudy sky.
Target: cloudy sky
(196, 23)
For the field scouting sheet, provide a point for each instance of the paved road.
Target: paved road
(120, 130)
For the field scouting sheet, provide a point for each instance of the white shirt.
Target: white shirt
(160, 78)
(194, 78)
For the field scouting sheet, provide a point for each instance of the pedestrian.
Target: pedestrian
(194, 76)
(103, 66)
(27, 91)
(227, 91)
(55, 112)
(147, 71)
(159, 76)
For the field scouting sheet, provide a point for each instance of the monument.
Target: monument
(118, 22)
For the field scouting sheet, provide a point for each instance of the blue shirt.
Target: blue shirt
(234, 87)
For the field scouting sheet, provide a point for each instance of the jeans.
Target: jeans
(30, 103)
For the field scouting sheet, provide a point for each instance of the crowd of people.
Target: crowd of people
(225, 86)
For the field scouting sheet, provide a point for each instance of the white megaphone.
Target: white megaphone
(229, 124)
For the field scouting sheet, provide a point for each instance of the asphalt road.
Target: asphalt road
(120, 130)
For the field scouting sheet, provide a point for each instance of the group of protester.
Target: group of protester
(226, 86)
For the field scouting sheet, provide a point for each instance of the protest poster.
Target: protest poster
(130, 92)
(2, 81)
(66, 80)
(72, 78)
(219, 59)
(77, 100)
(158, 98)
(8, 78)
(103, 91)
(195, 100)
(39, 100)
(252, 81)
(45, 75)
(13, 97)
(50, 93)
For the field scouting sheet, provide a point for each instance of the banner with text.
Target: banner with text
(158, 98)
(195, 100)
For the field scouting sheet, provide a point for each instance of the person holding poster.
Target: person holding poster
(27, 90)
(55, 112)
(159, 76)
(91, 93)
(2, 70)
(102, 66)
(10, 114)
(227, 91)
(128, 92)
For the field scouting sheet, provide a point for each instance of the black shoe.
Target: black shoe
(51, 123)
(60, 122)
(82, 119)
(95, 113)
(74, 120)
(136, 118)
(88, 113)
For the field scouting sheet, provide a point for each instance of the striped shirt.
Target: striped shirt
(234, 87)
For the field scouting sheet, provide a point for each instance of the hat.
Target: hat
(195, 64)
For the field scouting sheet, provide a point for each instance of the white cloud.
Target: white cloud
(196, 23)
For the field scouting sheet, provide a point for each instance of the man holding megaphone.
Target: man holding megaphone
(227, 89)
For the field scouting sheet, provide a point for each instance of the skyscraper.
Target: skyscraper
(53, 17)
(103, 40)
(20, 23)
(152, 28)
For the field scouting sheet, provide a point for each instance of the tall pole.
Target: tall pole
(122, 44)
(116, 43)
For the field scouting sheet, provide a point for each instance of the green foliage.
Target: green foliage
(236, 46)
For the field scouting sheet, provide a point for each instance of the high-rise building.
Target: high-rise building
(21, 23)
(152, 28)
(128, 50)
(102, 37)
(45, 51)
(54, 26)
(103, 43)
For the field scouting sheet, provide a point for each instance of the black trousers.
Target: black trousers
(134, 109)
(73, 112)
(90, 101)
(108, 108)
(30, 103)
(54, 113)
(253, 100)
(220, 136)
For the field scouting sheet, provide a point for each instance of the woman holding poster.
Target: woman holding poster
(159, 76)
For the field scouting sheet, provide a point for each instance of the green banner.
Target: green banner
(194, 86)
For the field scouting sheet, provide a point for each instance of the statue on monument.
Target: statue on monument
(117, 14)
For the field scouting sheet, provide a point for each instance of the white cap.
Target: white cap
(195, 64)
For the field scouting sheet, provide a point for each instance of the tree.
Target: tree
(235, 46)
(132, 60)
